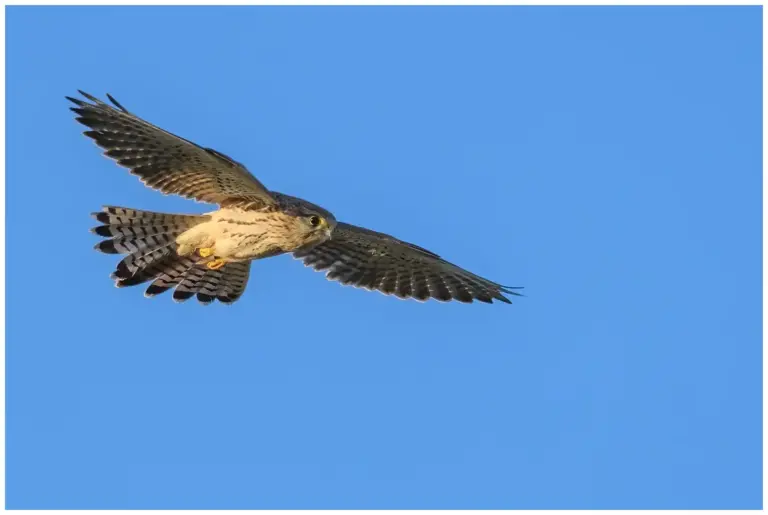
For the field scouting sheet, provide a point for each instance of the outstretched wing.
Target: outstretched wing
(376, 261)
(166, 162)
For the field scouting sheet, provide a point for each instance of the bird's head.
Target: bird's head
(317, 224)
(313, 223)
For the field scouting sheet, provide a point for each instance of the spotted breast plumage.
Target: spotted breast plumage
(209, 256)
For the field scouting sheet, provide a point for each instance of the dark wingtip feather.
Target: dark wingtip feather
(101, 216)
(119, 106)
(75, 101)
(153, 290)
(85, 120)
(204, 299)
(483, 296)
(107, 247)
(122, 271)
(131, 281)
(89, 97)
(511, 290)
(181, 296)
(102, 230)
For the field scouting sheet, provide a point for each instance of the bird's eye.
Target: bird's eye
(314, 221)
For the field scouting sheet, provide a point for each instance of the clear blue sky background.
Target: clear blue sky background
(607, 159)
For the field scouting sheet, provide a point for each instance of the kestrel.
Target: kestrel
(209, 256)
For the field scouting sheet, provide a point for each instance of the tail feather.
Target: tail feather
(167, 268)
(169, 275)
(123, 216)
(225, 284)
(234, 281)
(137, 231)
(149, 240)
(199, 281)
(134, 245)
(135, 262)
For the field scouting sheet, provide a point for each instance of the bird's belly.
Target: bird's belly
(231, 239)
(238, 242)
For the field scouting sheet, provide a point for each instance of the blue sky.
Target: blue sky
(607, 159)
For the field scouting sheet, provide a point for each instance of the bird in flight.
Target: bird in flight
(209, 256)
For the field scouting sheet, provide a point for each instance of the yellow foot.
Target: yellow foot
(205, 252)
(215, 264)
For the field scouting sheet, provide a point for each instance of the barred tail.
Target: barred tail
(149, 239)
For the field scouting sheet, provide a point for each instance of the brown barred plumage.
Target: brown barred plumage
(375, 261)
(209, 256)
(149, 239)
(168, 162)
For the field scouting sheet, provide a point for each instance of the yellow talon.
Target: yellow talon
(215, 264)
(205, 252)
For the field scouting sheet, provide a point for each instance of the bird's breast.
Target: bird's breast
(243, 235)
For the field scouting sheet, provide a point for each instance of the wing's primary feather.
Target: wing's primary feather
(376, 261)
(167, 162)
